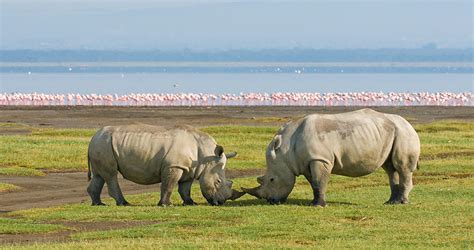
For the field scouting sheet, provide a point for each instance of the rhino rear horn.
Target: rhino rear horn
(252, 191)
(236, 194)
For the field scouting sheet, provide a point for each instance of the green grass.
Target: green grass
(440, 214)
(15, 226)
(20, 171)
(5, 187)
(46, 149)
(66, 149)
(249, 142)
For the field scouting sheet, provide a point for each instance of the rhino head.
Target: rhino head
(214, 185)
(277, 183)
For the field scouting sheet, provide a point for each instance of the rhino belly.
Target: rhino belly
(356, 166)
(140, 174)
(139, 159)
(363, 152)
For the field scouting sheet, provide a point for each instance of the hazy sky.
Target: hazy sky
(207, 25)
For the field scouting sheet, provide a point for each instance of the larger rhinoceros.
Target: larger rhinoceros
(350, 144)
(148, 154)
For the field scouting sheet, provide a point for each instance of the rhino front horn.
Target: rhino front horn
(236, 194)
(252, 191)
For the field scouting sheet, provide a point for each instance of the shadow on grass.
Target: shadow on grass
(245, 203)
(291, 202)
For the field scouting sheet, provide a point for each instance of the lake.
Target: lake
(122, 78)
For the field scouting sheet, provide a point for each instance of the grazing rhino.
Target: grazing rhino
(350, 144)
(148, 154)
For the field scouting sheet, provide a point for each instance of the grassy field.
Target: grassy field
(66, 149)
(440, 214)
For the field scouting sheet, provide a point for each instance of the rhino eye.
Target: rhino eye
(218, 181)
(271, 179)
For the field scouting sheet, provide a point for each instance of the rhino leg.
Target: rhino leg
(115, 192)
(406, 184)
(404, 160)
(184, 190)
(320, 172)
(393, 179)
(169, 180)
(95, 188)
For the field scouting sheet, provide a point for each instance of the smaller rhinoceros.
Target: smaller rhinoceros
(350, 144)
(148, 154)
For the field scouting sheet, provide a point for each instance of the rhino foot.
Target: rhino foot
(161, 204)
(98, 204)
(397, 201)
(189, 203)
(318, 203)
(124, 203)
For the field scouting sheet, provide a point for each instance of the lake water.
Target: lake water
(123, 79)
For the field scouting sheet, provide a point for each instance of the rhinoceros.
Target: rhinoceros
(148, 154)
(350, 144)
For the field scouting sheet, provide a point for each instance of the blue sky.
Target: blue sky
(222, 25)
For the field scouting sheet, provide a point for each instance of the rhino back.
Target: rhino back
(356, 143)
(142, 152)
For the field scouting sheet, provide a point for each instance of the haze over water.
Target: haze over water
(123, 83)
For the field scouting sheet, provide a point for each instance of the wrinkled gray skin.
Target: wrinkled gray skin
(148, 154)
(350, 144)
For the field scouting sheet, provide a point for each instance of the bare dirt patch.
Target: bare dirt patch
(236, 173)
(445, 175)
(445, 155)
(98, 116)
(55, 189)
(73, 227)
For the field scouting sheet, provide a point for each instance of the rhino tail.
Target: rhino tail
(88, 167)
(418, 165)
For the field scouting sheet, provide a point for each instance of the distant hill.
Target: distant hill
(292, 55)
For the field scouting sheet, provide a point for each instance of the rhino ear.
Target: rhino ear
(276, 142)
(219, 150)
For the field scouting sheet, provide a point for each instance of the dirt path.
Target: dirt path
(73, 227)
(62, 188)
(54, 189)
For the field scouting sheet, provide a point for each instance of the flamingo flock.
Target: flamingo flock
(242, 99)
